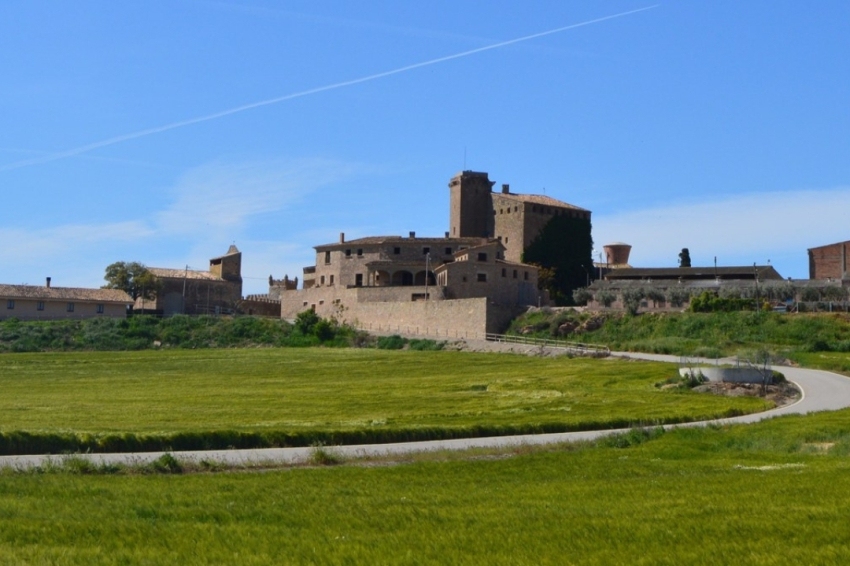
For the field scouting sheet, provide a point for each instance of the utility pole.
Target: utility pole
(185, 276)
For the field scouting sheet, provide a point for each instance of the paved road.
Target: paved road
(822, 391)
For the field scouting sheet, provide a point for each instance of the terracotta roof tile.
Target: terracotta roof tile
(540, 199)
(167, 273)
(64, 293)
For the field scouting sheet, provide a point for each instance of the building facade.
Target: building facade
(33, 302)
(445, 285)
(187, 291)
(830, 261)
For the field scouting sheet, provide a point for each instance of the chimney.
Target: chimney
(48, 283)
(342, 237)
(506, 188)
(413, 234)
(447, 234)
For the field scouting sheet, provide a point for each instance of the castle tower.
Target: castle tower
(228, 266)
(471, 205)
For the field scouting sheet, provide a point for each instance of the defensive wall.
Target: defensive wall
(403, 310)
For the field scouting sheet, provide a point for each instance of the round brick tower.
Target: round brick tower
(617, 253)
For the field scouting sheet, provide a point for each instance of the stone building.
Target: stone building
(830, 261)
(515, 219)
(33, 302)
(188, 291)
(436, 286)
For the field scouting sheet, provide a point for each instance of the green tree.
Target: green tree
(132, 277)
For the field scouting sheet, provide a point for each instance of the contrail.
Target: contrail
(270, 101)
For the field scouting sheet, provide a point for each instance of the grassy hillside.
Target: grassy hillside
(769, 493)
(194, 399)
(703, 334)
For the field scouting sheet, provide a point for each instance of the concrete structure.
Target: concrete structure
(185, 291)
(32, 302)
(830, 262)
(515, 219)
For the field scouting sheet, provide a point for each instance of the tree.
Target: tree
(133, 278)
(684, 258)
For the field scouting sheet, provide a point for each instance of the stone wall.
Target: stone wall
(402, 310)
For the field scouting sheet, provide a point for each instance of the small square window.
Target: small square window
(426, 250)
(39, 306)
(332, 279)
(525, 276)
(99, 309)
(448, 251)
(322, 280)
(347, 253)
(482, 278)
(482, 256)
(70, 307)
(514, 273)
(304, 304)
(10, 304)
(396, 251)
(359, 252)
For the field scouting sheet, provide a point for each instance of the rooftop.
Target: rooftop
(167, 273)
(541, 199)
(43, 292)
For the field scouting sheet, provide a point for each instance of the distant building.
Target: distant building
(830, 261)
(33, 302)
(186, 291)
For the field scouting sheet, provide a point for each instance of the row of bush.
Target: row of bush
(708, 334)
(145, 332)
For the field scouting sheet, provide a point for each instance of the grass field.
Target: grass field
(769, 493)
(300, 396)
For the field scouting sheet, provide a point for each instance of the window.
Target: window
(396, 251)
(321, 302)
(327, 258)
(525, 276)
(347, 253)
(99, 309)
(332, 279)
(304, 304)
(506, 239)
(482, 278)
(482, 256)
(70, 307)
(322, 280)
(10, 304)
(504, 272)
(39, 306)
(359, 252)
(426, 250)
(448, 251)
(514, 273)
(358, 280)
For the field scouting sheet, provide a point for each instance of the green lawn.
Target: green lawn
(769, 493)
(344, 394)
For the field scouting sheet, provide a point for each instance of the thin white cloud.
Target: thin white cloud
(211, 207)
(221, 197)
(174, 125)
(740, 229)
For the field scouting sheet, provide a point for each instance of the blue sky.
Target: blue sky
(720, 126)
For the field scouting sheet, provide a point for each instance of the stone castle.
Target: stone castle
(471, 281)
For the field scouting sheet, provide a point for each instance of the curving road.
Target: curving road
(822, 391)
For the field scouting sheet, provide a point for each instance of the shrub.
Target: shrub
(394, 342)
